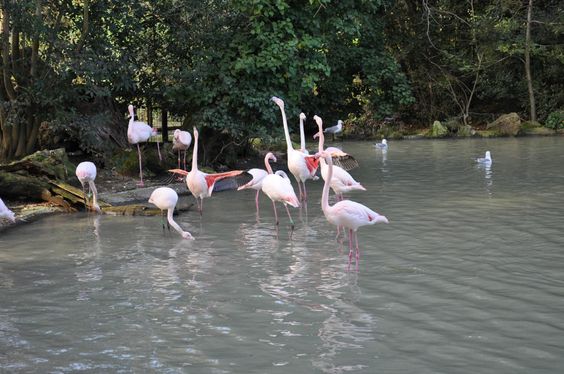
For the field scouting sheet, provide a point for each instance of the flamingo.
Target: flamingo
(6, 213)
(86, 173)
(342, 181)
(199, 183)
(334, 129)
(166, 198)
(278, 187)
(303, 167)
(347, 213)
(255, 183)
(181, 142)
(140, 132)
(486, 160)
(383, 145)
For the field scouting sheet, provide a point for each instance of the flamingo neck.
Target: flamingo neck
(286, 131)
(195, 152)
(267, 164)
(325, 194)
(172, 222)
(302, 134)
(94, 195)
(321, 138)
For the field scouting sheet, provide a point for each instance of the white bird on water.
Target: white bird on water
(382, 145)
(6, 213)
(165, 198)
(486, 160)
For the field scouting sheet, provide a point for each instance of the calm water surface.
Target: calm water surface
(468, 277)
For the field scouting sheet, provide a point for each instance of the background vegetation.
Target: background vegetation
(70, 67)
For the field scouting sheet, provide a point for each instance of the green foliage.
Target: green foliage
(555, 120)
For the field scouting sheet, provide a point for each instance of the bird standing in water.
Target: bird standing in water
(165, 198)
(86, 174)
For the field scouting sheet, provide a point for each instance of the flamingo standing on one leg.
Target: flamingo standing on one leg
(279, 188)
(255, 183)
(199, 183)
(181, 142)
(347, 213)
(166, 198)
(86, 173)
(6, 213)
(303, 167)
(139, 132)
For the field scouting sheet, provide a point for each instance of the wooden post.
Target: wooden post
(164, 125)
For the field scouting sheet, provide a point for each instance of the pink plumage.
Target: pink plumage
(165, 198)
(86, 174)
(279, 188)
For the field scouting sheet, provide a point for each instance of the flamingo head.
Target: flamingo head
(318, 120)
(269, 156)
(176, 133)
(130, 109)
(195, 130)
(278, 101)
(187, 235)
(316, 135)
(302, 116)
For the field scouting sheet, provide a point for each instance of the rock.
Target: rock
(438, 130)
(507, 125)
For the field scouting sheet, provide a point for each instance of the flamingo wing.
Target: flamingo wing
(312, 163)
(211, 179)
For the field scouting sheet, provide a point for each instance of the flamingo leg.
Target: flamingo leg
(179, 158)
(305, 191)
(350, 249)
(184, 160)
(141, 184)
(357, 250)
(338, 233)
(275, 213)
(256, 202)
(163, 220)
(289, 216)
(84, 196)
(201, 205)
(300, 188)
(159, 151)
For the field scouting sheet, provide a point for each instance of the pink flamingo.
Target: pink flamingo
(199, 183)
(140, 132)
(166, 198)
(255, 183)
(342, 181)
(181, 142)
(347, 213)
(279, 188)
(301, 166)
(86, 173)
(6, 213)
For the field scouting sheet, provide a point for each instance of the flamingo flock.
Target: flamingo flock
(277, 186)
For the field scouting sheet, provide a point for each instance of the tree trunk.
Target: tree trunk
(533, 110)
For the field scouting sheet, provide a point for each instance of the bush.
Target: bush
(555, 120)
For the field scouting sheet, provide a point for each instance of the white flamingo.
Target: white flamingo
(6, 213)
(181, 142)
(165, 198)
(86, 174)
(347, 213)
(255, 183)
(342, 181)
(279, 188)
(139, 132)
(199, 183)
(301, 166)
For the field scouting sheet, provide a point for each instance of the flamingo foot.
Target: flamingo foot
(140, 184)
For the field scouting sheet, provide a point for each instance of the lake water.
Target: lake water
(468, 277)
